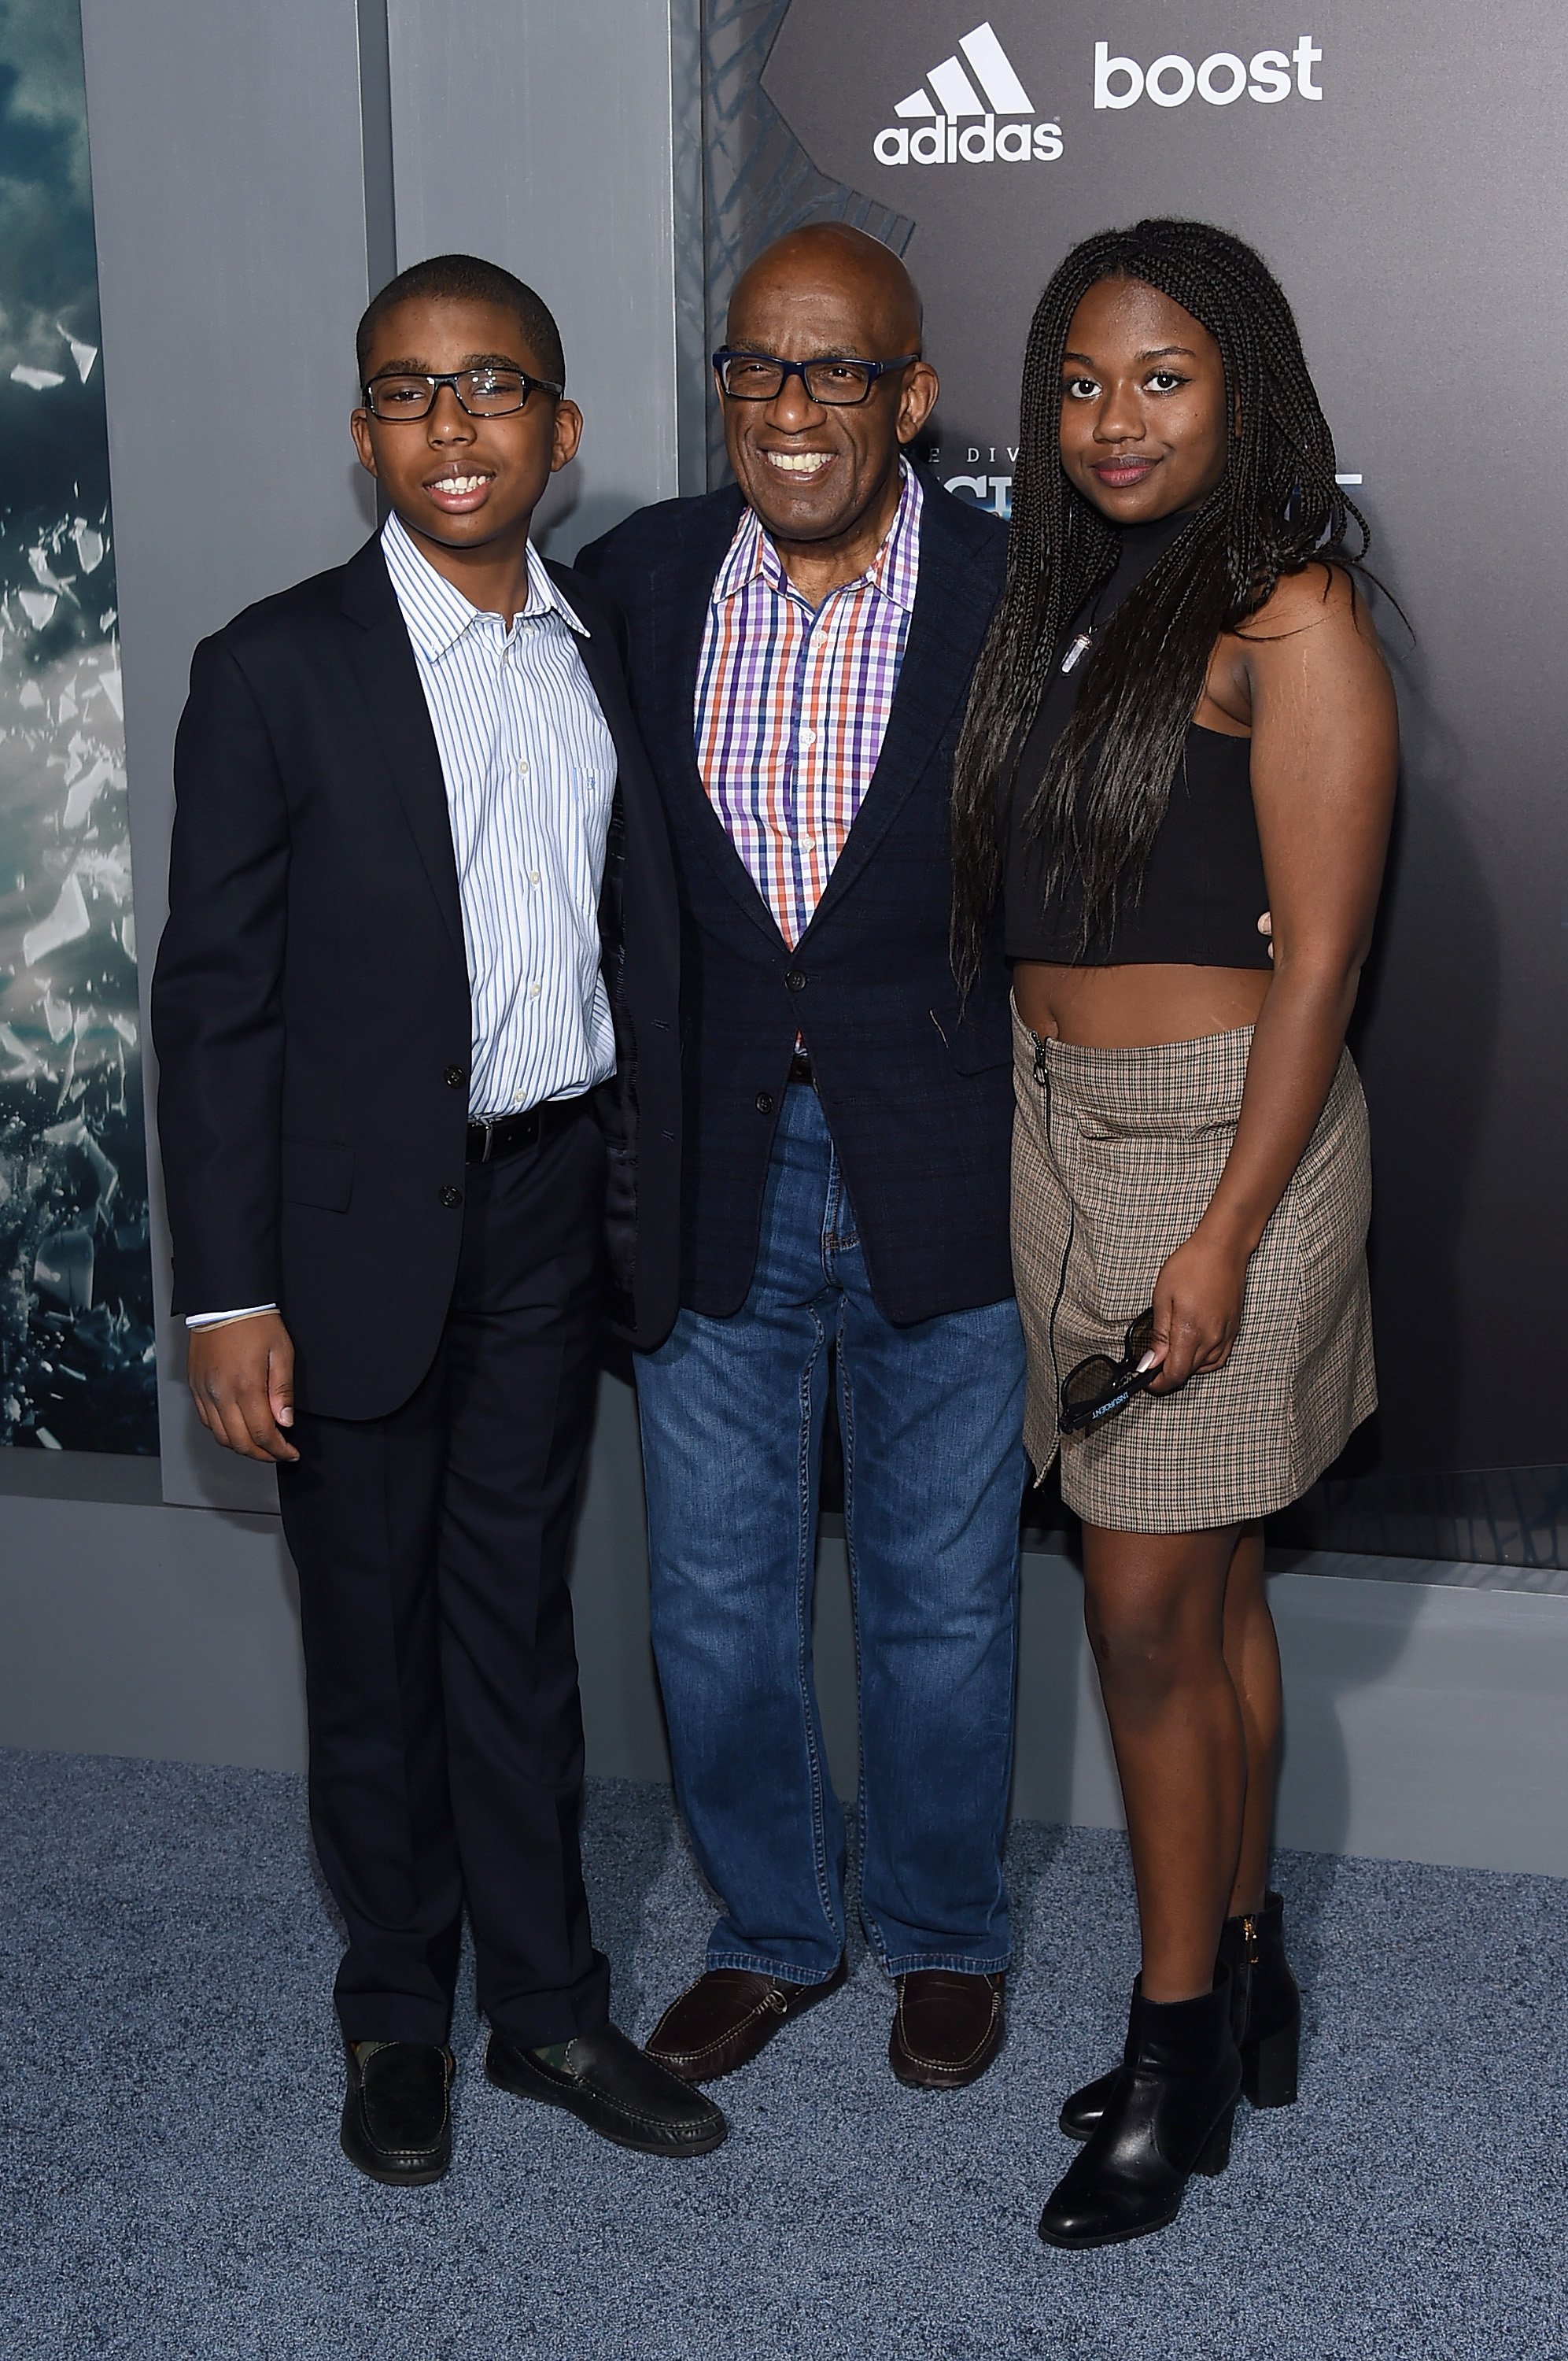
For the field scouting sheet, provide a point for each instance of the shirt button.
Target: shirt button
(765, 1102)
(534, 990)
(454, 1077)
(533, 876)
(522, 770)
(808, 737)
(450, 1196)
(794, 980)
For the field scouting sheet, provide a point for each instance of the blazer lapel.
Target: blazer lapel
(953, 603)
(602, 663)
(680, 592)
(383, 659)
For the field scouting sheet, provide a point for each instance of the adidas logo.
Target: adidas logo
(975, 92)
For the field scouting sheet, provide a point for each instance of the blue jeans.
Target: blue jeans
(931, 1417)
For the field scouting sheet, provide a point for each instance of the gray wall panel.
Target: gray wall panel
(1424, 1721)
(541, 137)
(230, 193)
(168, 1633)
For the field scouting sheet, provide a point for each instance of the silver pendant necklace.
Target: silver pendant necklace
(1085, 639)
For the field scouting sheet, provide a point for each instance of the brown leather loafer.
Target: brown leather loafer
(947, 2029)
(727, 2016)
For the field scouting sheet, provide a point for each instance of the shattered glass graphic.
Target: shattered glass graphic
(76, 1337)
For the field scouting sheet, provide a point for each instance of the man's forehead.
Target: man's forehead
(826, 312)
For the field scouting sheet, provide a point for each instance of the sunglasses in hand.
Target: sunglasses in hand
(1099, 1387)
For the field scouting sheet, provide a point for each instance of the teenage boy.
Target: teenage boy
(802, 645)
(415, 1005)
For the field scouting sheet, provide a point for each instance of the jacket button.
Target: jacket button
(456, 1077)
(450, 1196)
(794, 980)
(765, 1102)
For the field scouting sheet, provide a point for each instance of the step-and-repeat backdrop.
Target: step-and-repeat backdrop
(1395, 164)
(76, 1340)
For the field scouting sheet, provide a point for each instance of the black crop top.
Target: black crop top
(1202, 890)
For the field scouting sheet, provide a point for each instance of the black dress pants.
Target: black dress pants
(445, 1733)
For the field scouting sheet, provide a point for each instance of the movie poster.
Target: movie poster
(76, 1339)
(1392, 173)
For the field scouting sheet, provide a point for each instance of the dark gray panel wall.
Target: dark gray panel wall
(229, 184)
(543, 138)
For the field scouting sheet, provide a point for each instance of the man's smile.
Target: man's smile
(800, 463)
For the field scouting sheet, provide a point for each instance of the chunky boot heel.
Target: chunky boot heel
(1269, 2068)
(1168, 2115)
(1268, 2026)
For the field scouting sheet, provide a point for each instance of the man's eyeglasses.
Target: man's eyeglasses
(482, 392)
(834, 383)
(1098, 1388)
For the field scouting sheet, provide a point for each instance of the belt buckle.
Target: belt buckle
(486, 1123)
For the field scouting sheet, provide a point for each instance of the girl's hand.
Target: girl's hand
(1198, 1302)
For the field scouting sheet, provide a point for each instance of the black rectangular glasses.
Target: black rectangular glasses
(835, 383)
(482, 392)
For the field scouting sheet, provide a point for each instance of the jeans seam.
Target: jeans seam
(805, 1570)
(755, 1964)
(959, 1963)
(847, 1439)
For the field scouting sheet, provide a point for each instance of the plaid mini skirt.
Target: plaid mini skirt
(1116, 1154)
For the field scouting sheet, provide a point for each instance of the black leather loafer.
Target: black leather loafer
(610, 2085)
(397, 2115)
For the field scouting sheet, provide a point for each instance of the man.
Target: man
(410, 795)
(802, 646)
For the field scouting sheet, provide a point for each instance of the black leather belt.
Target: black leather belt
(800, 1070)
(494, 1135)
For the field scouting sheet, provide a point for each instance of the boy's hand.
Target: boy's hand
(242, 1382)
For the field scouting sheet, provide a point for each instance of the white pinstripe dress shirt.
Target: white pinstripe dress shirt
(530, 769)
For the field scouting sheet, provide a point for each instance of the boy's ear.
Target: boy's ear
(568, 434)
(359, 427)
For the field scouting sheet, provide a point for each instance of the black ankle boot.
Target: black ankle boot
(1167, 2116)
(1266, 2013)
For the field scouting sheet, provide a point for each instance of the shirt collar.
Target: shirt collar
(436, 612)
(893, 573)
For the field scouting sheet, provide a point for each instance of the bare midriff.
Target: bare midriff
(1137, 1007)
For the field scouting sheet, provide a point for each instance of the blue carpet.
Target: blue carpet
(174, 2187)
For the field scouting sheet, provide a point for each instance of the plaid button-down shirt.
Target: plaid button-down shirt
(793, 703)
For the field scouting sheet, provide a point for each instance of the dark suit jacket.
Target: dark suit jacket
(310, 1005)
(919, 1100)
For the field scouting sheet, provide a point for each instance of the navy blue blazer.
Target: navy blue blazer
(309, 1003)
(918, 1098)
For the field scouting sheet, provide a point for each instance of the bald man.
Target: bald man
(801, 650)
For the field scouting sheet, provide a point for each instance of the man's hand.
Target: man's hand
(242, 1381)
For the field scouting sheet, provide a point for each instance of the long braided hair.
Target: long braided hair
(1276, 506)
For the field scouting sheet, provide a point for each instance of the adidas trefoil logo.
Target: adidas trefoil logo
(976, 91)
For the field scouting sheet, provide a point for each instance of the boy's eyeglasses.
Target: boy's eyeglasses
(1098, 1388)
(482, 392)
(834, 383)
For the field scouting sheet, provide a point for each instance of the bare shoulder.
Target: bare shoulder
(1322, 598)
